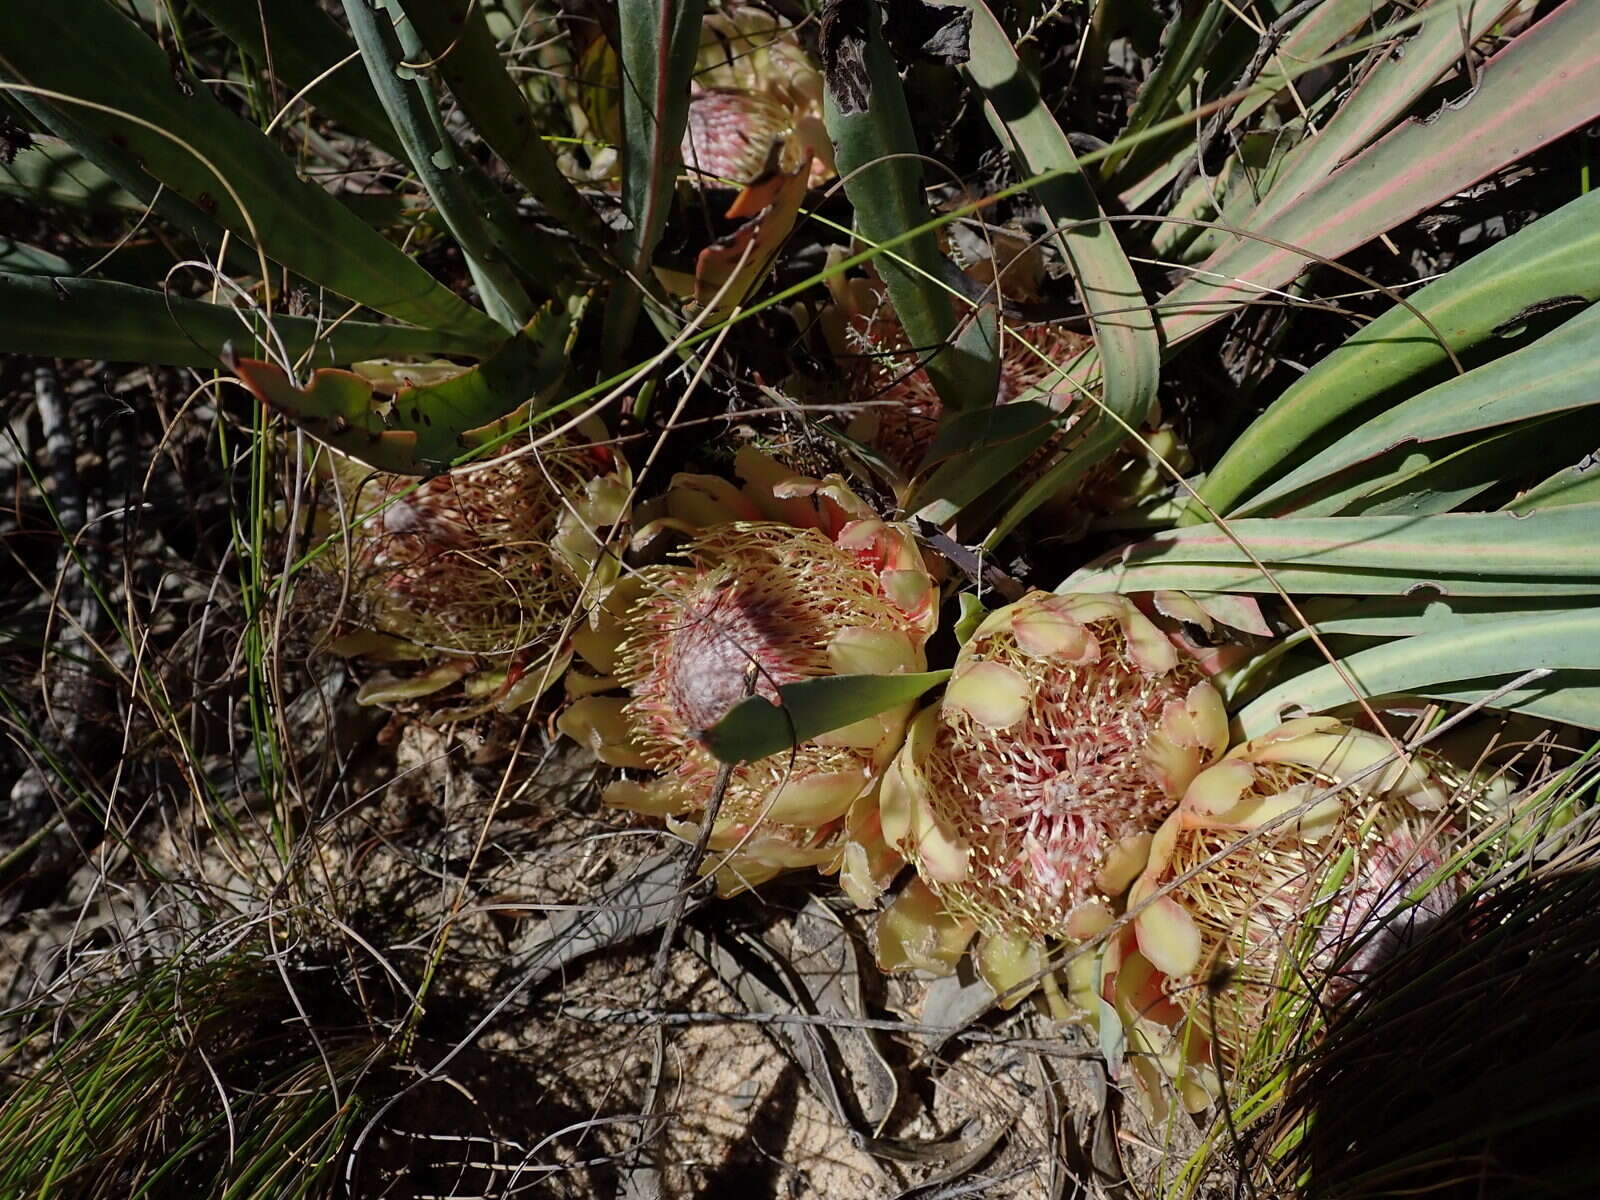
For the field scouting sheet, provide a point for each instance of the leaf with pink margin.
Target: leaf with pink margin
(421, 430)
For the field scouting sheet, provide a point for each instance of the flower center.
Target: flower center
(722, 637)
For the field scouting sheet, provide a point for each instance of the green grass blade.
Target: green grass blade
(1554, 258)
(86, 49)
(1557, 373)
(1547, 553)
(457, 35)
(1566, 641)
(875, 147)
(94, 318)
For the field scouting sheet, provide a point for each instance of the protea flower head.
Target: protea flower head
(1318, 840)
(755, 102)
(1027, 797)
(481, 574)
(754, 88)
(789, 578)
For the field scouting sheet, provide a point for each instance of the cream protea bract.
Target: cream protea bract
(786, 580)
(1028, 795)
(482, 573)
(754, 88)
(1319, 836)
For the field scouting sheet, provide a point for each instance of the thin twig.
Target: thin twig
(642, 1179)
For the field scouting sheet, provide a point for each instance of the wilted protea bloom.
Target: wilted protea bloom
(790, 578)
(754, 88)
(1028, 795)
(482, 573)
(1311, 903)
(901, 410)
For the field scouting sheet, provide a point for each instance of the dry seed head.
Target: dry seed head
(1067, 733)
(491, 561)
(901, 409)
(462, 563)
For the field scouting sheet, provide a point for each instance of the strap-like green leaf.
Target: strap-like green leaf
(1385, 94)
(1559, 372)
(55, 174)
(977, 450)
(457, 35)
(1552, 260)
(875, 147)
(1129, 361)
(1564, 640)
(88, 50)
(387, 43)
(23, 259)
(659, 41)
(303, 43)
(1545, 83)
(755, 727)
(1547, 553)
(1577, 484)
(95, 318)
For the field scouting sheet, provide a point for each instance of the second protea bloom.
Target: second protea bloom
(900, 409)
(1027, 797)
(481, 574)
(754, 88)
(786, 580)
(1285, 875)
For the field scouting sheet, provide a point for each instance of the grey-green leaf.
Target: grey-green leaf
(1566, 641)
(88, 50)
(1555, 258)
(755, 727)
(875, 146)
(1549, 552)
(95, 318)
(1559, 372)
